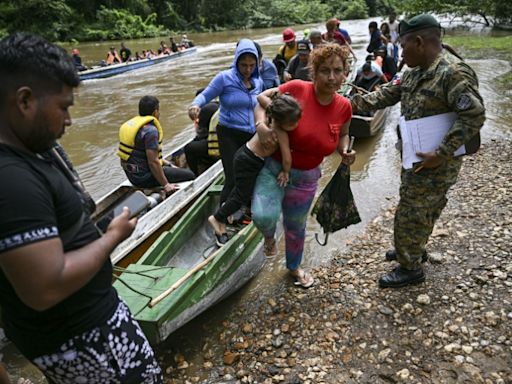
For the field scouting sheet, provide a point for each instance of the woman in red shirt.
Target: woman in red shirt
(322, 129)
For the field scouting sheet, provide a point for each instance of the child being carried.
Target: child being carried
(283, 116)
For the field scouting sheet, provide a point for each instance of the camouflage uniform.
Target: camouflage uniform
(443, 87)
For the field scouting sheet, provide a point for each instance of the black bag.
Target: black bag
(335, 208)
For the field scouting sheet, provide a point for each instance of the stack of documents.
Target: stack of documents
(425, 135)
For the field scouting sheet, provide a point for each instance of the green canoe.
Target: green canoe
(183, 273)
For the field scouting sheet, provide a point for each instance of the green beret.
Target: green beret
(417, 23)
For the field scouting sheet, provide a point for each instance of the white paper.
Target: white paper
(425, 135)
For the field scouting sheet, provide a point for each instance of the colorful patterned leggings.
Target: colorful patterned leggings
(115, 353)
(294, 201)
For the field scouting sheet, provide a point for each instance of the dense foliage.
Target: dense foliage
(496, 13)
(122, 19)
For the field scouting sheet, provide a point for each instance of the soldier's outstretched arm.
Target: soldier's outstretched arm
(388, 95)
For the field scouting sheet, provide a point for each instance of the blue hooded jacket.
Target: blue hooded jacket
(237, 102)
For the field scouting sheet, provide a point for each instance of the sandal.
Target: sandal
(270, 248)
(303, 279)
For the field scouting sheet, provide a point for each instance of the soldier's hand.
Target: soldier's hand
(430, 159)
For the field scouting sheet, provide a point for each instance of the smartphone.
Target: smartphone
(136, 203)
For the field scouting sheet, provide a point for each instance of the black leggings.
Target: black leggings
(197, 156)
(230, 140)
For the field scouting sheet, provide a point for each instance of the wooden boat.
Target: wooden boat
(184, 272)
(116, 69)
(366, 126)
(362, 125)
(158, 219)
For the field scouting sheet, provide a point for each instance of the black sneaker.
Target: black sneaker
(391, 256)
(221, 239)
(400, 277)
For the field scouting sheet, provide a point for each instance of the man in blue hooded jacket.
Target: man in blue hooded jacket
(237, 89)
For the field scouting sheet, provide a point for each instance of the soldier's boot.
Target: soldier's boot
(400, 277)
(391, 256)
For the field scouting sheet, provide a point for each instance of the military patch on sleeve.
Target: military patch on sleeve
(464, 102)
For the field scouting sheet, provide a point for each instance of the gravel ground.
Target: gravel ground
(454, 328)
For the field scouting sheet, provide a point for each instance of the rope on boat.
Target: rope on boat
(140, 273)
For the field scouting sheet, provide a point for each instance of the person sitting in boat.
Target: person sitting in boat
(375, 37)
(386, 62)
(298, 68)
(185, 42)
(113, 56)
(333, 35)
(196, 151)
(77, 60)
(369, 76)
(174, 46)
(286, 51)
(315, 38)
(375, 69)
(268, 71)
(282, 116)
(140, 150)
(125, 53)
(138, 56)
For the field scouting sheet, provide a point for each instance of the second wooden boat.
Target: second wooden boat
(185, 273)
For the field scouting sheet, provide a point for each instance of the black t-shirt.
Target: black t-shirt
(37, 203)
(125, 54)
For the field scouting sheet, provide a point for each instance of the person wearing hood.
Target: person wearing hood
(236, 88)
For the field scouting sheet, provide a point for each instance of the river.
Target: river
(102, 105)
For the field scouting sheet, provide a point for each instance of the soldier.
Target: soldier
(433, 86)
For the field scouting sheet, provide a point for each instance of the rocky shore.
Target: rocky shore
(454, 328)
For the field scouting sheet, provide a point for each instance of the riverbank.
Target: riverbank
(484, 47)
(454, 328)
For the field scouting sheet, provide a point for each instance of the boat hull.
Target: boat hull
(367, 126)
(116, 69)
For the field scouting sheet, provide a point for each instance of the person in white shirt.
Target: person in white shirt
(393, 31)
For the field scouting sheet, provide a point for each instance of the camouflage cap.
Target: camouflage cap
(417, 23)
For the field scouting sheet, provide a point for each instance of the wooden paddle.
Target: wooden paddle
(185, 277)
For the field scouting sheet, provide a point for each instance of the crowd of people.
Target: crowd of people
(272, 138)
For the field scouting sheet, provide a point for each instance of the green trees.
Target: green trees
(493, 12)
(122, 19)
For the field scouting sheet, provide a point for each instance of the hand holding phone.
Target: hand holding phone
(123, 224)
(135, 204)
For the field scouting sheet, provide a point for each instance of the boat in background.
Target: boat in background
(364, 124)
(116, 69)
(161, 216)
(184, 272)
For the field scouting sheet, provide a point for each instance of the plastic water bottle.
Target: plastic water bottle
(154, 199)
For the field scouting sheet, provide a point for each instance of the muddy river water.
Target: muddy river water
(102, 105)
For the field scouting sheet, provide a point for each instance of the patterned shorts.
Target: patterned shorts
(117, 352)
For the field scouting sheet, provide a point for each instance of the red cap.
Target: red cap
(288, 35)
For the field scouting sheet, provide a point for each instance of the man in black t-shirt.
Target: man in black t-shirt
(125, 53)
(58, 304)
